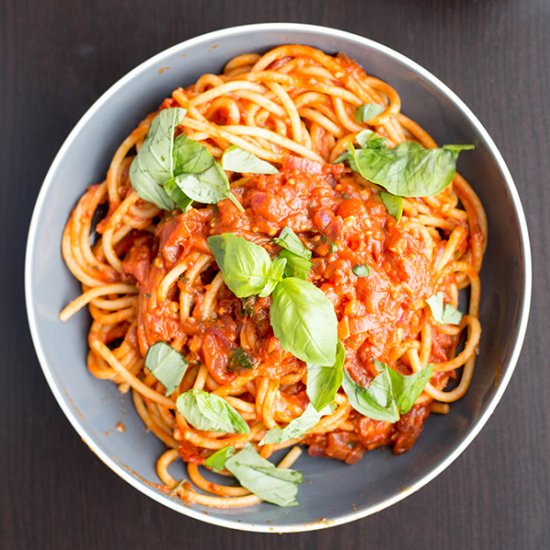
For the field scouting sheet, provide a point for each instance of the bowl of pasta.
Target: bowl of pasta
(278, 277)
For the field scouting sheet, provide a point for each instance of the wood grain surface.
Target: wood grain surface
(57, 57)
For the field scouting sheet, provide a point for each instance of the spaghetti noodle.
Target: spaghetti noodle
(150, 275)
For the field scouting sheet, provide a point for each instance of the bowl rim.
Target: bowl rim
(476, 426)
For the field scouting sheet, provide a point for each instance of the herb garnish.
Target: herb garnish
(444, 314)
(388, 395)
(166, 365)
(172, 172)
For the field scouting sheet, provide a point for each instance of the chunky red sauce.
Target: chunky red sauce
(344, 224)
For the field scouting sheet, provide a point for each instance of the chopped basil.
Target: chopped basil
(361, 270)
(276, 274)
(324, 381)
(297, 256)
(376, 401)
(154, 164)
(239, 160)
(388, 395)
(239, 359)
(216, 461)
(181, 200)
(406, 389)
(245, 266)
(290, 241)
(172, 172)
(408, 170)
(166, 365)
(190, 157)
(304, 321)
(295, 265)
(368, 111)
(393, 204)
(208, 187)
(444, 314)
(264, 479)
(368, 137)
(299, 426)
(207, 412)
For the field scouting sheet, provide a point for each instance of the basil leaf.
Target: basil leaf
(361, 270)
(323, 382)
(208, 187)
(368, 111)
(407, 389)
(153, 165)
(304, 321)
(290, 241)
(245, 266)
(393, 204)
(190, 156)
(444, 314)
(276, 274)
(370, 138)
(376, 401)
(239, 359)
(295, 265)
(210, 413)
(166, 365)
(181, 200)
(216, 461)
(389, 394)
(239, 160)
(297, 427)
(264, 479)
(296, 254)
(408, 170)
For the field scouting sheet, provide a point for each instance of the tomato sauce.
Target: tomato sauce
(344, 223)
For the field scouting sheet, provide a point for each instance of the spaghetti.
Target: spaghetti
(150, 276)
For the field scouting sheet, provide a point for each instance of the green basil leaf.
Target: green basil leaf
(245, 266)
(239, 359)
(288, 240)
(408, 170)
(361, 270)
(235, 159)
(304, 321)
(276, 274)
(216, 461)
(297, 427)
(389, 394)
(208, 187)
(264, 479)
(153, 165)
(376, 401)
(323, 382)
(444, 314)
(407, 389)
(190, 156)
(210, 413)
(370, 138)
(166, 365)
(393, 204)
(368, 111)
(295, 265)
(181, 200)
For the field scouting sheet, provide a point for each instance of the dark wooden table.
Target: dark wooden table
(57, 57)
